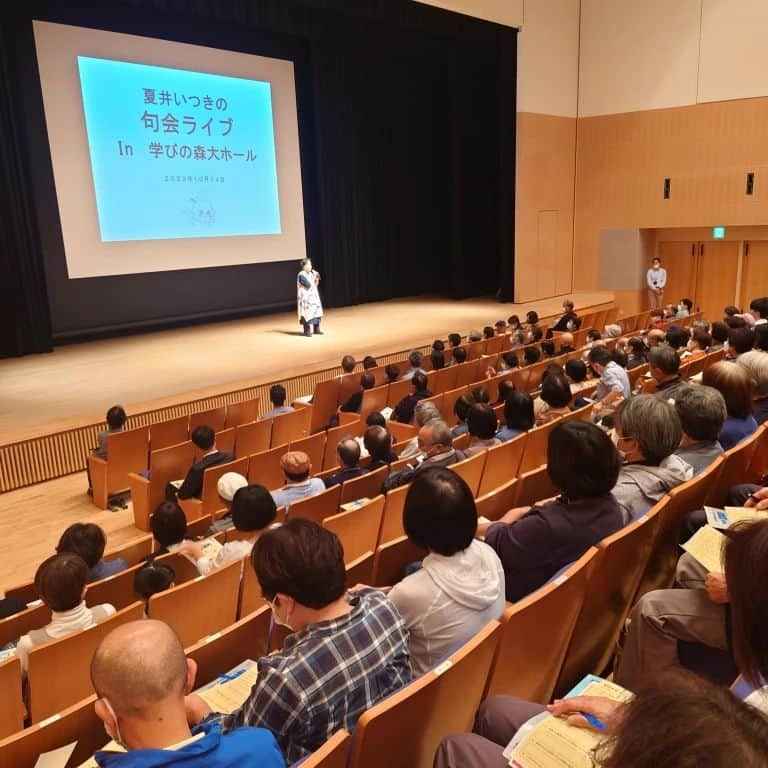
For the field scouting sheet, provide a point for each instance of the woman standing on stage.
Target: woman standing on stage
(310, 307)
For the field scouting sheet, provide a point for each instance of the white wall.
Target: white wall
(508, 12)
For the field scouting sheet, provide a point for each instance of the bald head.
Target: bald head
(139, 665)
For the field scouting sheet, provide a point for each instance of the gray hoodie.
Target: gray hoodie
(640, 486)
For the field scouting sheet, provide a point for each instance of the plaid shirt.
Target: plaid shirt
(327, 675)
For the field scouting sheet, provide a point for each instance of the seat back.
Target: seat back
(243, 412)
(333, 754)
(250, 598)
(215, 418)
(12, 710)
(67, 661)
(611, 588)
(358, 530)
(535, 633)
(445, 379)
(13, 627)
(200, 607)
(225, 440)
(128, 452)
(217, 654)
(471, 470)
(497, 502)
(317, 507)
(264, 468)
(534, 486)
(133, 552)
(392, 559)
(325, 401)
(78, 723)
(502, 464)
(469, 373)
(535, 373)
(392, 520)
(758, 465)
(398, 390)
(253, 437)
(405, 729)
(735, 467)
(212, 502)
(116, 590)
(349, 383)
(364, 487)
(449, 401)
(535, 453)
(374, 400)
(291, 426)
(360, 571)
(313, 446)
(163, 434)
(580, 414)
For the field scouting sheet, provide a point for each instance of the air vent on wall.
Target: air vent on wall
(667, 188)
(750, 183)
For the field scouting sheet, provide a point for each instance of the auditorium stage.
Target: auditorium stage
(75, 384)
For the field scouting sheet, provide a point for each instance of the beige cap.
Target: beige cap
(295, 462)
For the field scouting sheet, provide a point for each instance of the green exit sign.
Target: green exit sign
(718, 233)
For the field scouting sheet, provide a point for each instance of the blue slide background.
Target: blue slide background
(179, 176)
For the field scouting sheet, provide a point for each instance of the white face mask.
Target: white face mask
(116, 737)
(277, 619)
(616, 440)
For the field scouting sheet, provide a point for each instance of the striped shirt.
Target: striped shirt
(327, 675)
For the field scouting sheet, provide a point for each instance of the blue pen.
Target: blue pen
(595, 722)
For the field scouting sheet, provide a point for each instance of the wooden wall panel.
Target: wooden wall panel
(679, 259)
(754, 276)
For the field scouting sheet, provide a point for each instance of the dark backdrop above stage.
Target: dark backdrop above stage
(407, 134)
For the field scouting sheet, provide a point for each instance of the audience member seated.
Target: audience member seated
(613, 331)
(569, 321)
(593, 337)
(277, 396)
(348, 451)
(60, 582)
(347, 651)
(740, 340)
(459, 356)
(736, 386)
(565, 344)
(436, 445)
(480, 394)
(531, 318)
(719, 333)
(169, 527)
(664, 366)
(392, 372)
(699, 344)
(353, 403)
(437, 357)
(369, 362)
(620, 357)
(677, 337)
(614, 382)
(513, 323)
(517, 339)
(482, 425)
(684, 308)
(423, 413)
(151, 578)
(253, 510)
(460, 410)
(508, 362)
(116, 418)
(531, 355)
(205, 439)
(460, 587)
(415, 360)
(534, 543)
(299, 484)
(141, 676)
(761, 337)
(758, 308)
(229, 484)
(474, 335)
(637, 352)
(378, 444)
(88, 541)
(518, 416)
(506, 388)
(576, 374)
(548, 350)
(405, 408)
(454, 339)
(534, 334)
(756, 364)
(347, 364)
(702, 413)
(554, 400)
(488, 332)
(501, 327)
(647, 434)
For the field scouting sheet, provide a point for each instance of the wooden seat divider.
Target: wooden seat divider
(128, 452)
(358, 530)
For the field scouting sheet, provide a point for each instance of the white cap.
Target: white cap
(229, 484)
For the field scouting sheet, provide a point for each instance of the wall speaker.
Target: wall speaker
(667, 188)
(750, 183)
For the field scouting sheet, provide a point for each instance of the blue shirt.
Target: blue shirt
(736, 430)
(240, 748)
(103, 569)
(613, 379)
(286, 495)
(507, 433)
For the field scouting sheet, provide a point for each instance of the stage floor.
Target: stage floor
(75, 384)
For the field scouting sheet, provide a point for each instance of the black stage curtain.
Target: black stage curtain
(407, 123)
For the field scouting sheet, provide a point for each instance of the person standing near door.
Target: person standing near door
(656, 278)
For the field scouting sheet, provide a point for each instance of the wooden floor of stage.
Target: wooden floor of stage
(76, 384)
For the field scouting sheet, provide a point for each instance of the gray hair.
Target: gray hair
(663, 357)
(756, 363)
(415, 358)
(474, 335)
(426, 412)
(701, 322)
(702, 412)
(654, 425)
(441, 432)
(613, 331)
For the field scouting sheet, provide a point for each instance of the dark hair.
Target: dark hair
(619, 357)
(438, 359)
(637, 345)
(203, 437)
(253, 508)
(60, 581)
(720, 332)
(375, 419)
(347, 363)
(514, 321)
(482, 421)
(594, 335)
(536, 333)
(735, 385)
(116, 417)
(741, 340)
(367, 380)
(664, 359)
(506, 387)
(688, 303)
(378, 443)
(553, 369)
(677, 336)
(419, 381)
(510, 359)
(303, 560)
(393, 372)
(702, 412)
(439, 513)
(702, 338)
(581, 460)
(518, 410)
(654, 259)
(576, 370)
(760, 305)
(548, 347)
(599, 355)
(454, 339)
(683, 720)
(555, 390)
(531, 355)
(168, 524)
(500, 325)
(761, 337)
(277, 394)
(415, 358)
(532, 317)
(369, 362)
(153, 578)
(84, 539)
(462, 405)
(731, 310)
(480, 394)
(349, 451)
(438, 345)
(489, 332)
(460, 355)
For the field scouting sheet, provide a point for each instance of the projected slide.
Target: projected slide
(179, 154)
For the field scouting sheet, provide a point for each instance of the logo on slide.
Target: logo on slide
(200, 211)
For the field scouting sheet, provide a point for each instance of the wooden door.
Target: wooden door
(716, 277)
(754, 273)
(546, 253)
(679, 259)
